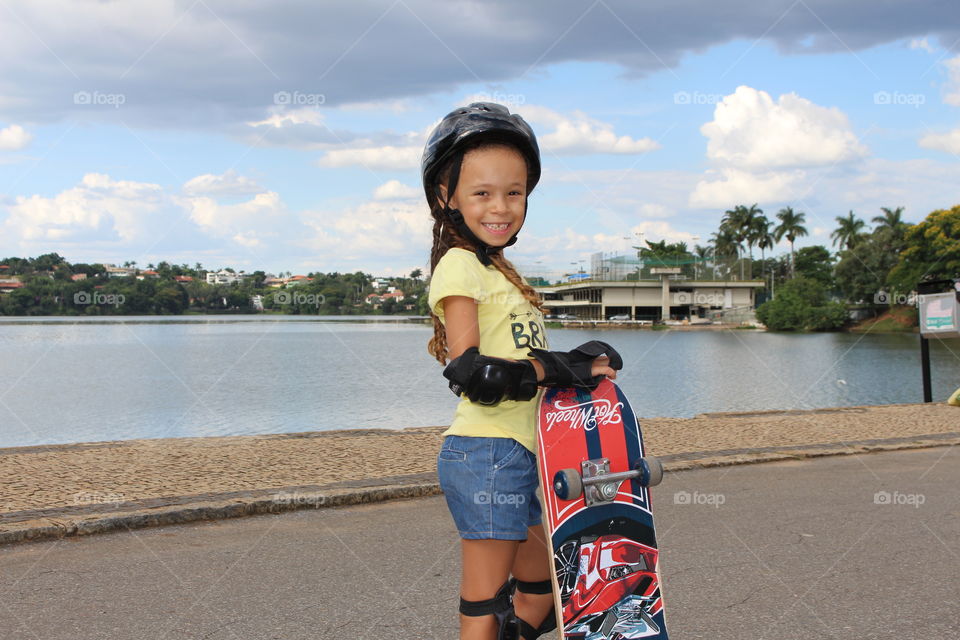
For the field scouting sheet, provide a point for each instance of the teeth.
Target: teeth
(496, 227)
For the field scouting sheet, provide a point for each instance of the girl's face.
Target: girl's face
(491, 193)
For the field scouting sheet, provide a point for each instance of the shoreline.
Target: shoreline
(93, 487)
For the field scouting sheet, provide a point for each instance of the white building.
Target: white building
(224, 277)
(649, 299)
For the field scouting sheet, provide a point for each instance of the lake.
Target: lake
(66, 380)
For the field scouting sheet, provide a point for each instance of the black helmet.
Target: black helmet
(458, 129)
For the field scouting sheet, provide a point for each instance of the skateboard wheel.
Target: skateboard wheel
(651, 471)
(567, 484)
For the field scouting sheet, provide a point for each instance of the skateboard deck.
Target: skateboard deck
(607, 584)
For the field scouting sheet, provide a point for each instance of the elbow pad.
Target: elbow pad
(487, 381)
(573, 368)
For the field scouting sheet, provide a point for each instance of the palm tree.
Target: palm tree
(893, 226)
(724, 244)
(702, 254)
(764, 239)
(736, 222)
(849, 232)
(890, 219)
(791, 227)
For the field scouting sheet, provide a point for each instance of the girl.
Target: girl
(479, 165)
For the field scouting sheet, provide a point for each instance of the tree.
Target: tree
(764, 239)
(416, 274)
(802, 305)
(791, 227)
(862, 271)
(816, 263)
(895, 227)
(737, 222)
(725, 245)
(931, 251)
(849, 232)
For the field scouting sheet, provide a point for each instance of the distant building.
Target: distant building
(649, 300)
(299, 280)
(224, 277)
(183, 279)
(9, 284)
(78, 276)
(147, 274)
(119, 272)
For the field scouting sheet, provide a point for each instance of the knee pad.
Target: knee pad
(501, 606)
(527, 630)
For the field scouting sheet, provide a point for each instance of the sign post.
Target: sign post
(939, 318)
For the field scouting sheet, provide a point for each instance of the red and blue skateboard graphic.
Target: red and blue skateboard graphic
(596, 504)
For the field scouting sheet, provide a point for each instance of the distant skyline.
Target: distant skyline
(286, 136)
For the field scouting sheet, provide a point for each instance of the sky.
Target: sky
(286, 136)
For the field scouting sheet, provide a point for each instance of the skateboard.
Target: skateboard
(595, 495)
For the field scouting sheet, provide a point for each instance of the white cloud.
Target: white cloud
(751, 131)
(949, 142)
(246, 223)
(579, 134)
(97, 209)
(397, 105)
(14, 138)
(735, 186)
(951, 88)
(388, 157)
(395, 190)
(288, 117)
(370, 232)
(226, 184)
(921, 44)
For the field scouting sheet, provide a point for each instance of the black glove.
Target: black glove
(573, 368)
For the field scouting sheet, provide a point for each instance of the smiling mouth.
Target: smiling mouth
(496, 228)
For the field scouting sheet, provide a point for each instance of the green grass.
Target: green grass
(897, 319)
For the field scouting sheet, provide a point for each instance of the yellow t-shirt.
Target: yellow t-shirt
(509, 327)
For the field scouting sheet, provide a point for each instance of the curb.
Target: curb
(295, 498)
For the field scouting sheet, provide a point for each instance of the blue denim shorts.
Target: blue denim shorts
(490, 485)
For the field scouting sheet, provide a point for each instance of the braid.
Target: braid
(510, 272)
(445, 237)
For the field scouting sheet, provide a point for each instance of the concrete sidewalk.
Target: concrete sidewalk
(63, 490)
(850, 547)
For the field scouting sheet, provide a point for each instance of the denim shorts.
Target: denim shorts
(490, 485)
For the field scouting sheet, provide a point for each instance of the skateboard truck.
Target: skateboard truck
(597, 485)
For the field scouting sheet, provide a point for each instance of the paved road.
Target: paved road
(861, 547)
